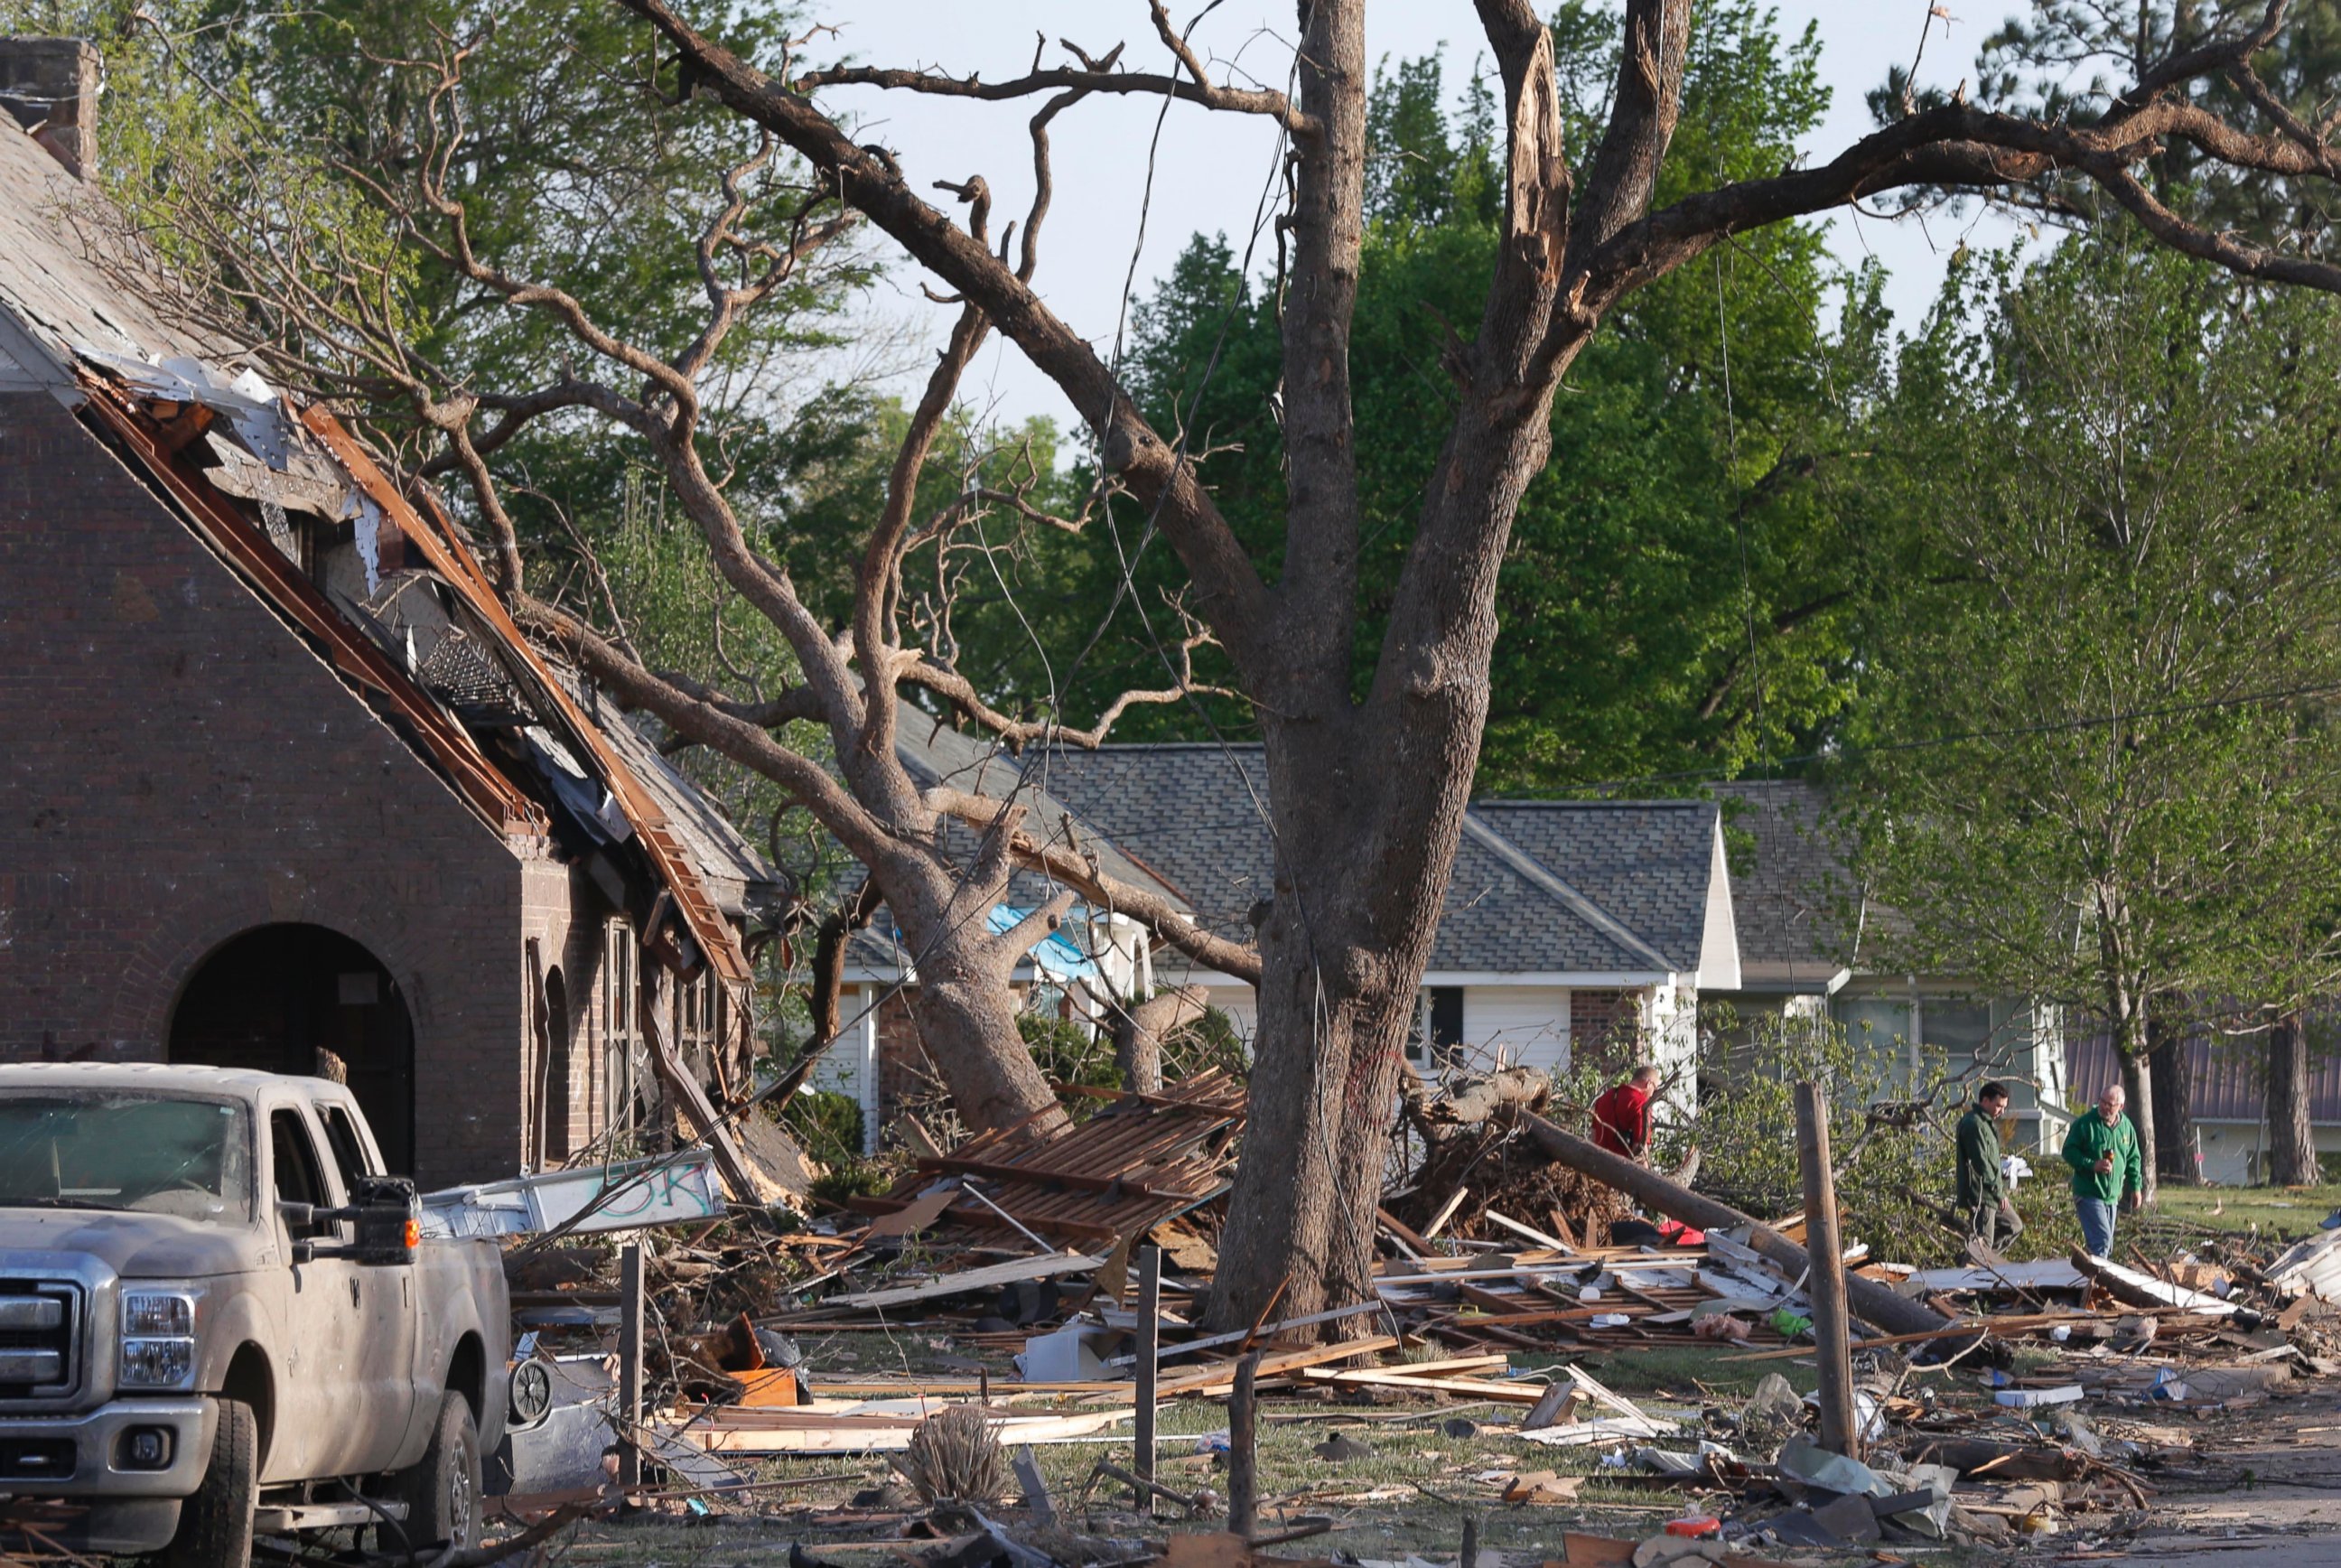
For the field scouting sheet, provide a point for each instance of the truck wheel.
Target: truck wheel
(216, 1522)
(443, 1490)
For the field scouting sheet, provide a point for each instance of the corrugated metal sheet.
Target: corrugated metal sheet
(2224, 1075)
(1139, 1162)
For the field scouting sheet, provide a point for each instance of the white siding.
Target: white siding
(1241, 1004)
(850, 1067)
(1526, 1025)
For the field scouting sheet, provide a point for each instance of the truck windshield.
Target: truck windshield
(140, 1153)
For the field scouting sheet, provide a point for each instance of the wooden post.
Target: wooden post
(630, 1363)
(1825, 1283)
(1149, 1349)
(1243, 1474)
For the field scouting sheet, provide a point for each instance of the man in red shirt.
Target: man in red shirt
(1621, 1118)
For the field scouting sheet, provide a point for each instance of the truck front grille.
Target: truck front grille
(37, 1458)
(37, 1323)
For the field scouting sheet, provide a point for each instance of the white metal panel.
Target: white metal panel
(1528, 1025)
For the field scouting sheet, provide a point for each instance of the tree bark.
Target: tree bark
(2292, 1138)
(2125, 1017)
(2173, 1108)
(1137, 1031)
(829, 942)
(966, 1015)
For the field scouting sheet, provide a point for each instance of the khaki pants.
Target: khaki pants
(1994, 1225)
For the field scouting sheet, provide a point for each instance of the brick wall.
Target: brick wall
(1605, 1027)
(177, 768)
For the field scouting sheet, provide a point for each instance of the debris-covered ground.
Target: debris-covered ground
(947, 1372)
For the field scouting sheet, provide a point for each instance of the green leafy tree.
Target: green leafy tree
(1675, 595)
(2096, 724)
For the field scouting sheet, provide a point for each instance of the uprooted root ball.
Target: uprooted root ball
(954, 1457)
(1502, 1169)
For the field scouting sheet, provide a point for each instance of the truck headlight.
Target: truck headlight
(147, 1313)
(158, 1343)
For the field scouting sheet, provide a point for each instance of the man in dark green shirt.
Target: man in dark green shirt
(1983, 1193)
(2108, 1169)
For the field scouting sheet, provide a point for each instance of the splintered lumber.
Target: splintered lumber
(1008, 1274)
(1981, 1459)
(2133, 1289)
(1868, 1301)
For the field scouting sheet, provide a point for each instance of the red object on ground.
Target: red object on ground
(1696, 1526)
(1675, 1234)
(1621, 1121)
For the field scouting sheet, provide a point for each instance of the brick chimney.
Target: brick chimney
(51, 87)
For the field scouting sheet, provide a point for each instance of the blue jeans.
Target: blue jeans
(2096, 1225)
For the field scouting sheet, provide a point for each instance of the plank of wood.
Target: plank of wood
(1408, 1239)
(1522, 1394)
(1518, 1229)
(1445, 1213)
(1007, 1273)
(843, 1434)
(1265, 1331)
(1205, 1379)
(1453, 1364)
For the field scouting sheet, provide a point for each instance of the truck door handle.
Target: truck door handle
(353, 1290)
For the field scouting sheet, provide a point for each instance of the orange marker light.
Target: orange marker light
(413, 1233)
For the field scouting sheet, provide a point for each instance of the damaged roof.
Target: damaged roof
(1539, 887)
(386, 590)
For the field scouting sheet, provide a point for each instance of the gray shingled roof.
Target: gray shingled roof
(1189, 811)
(48, 281)
(1791, 886)
(936, 753)
(1646, 863)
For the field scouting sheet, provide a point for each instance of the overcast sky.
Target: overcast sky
(1211, 167)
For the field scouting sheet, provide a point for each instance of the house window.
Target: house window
(1438, 1027)
(618, 985)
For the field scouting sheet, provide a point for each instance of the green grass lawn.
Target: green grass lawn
(2289, 1212)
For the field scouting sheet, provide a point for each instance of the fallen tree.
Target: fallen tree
(1872, 1303)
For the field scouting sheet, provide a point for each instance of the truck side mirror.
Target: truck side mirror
(386, 1215)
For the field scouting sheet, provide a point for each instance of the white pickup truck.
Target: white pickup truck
(218, 1315)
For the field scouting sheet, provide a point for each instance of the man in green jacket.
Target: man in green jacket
(1983, 1192)
(2102, 1149)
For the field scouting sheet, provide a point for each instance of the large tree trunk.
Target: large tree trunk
(967, 1022)
(2292, 1139)
(2125, 1019)
(2137, 1083)
(2174, 1107)
(1138, 1028)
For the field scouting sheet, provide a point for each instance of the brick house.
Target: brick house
(281, 784)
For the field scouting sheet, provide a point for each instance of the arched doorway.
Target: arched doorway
(557, 1088)
(276, 996)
